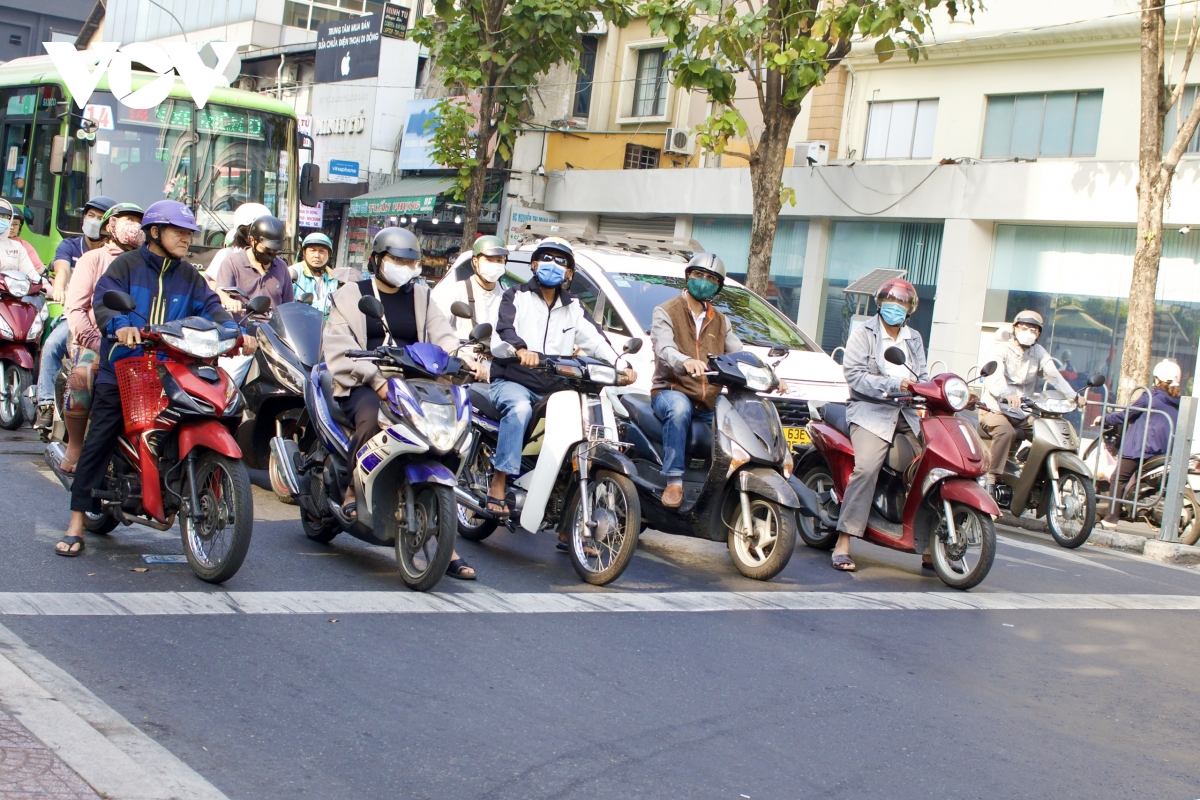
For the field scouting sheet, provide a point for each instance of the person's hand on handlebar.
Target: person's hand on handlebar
(129, 336)
(630, 375)
(480, 369)
(1013, 400)
(695, 367)
(906, 384)
(229, 302)
(528, 358)
(249, 345)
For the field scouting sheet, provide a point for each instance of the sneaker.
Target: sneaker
(45, 416)
(1105, 525)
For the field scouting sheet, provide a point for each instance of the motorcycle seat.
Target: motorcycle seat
(642, 413)
(482, 403)
(834, 414)
(331, 402)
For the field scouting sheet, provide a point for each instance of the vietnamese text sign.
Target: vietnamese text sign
(521, 215)
(395, 21)
(348, 49)
(311, 216)
(393, 205)
(343, 171)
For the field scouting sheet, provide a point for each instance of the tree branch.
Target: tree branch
(1177, 92)
(1184, 135)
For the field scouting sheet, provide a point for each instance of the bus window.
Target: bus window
(40, 194)
(15, 139)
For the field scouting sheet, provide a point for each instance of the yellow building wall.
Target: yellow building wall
(585, 150)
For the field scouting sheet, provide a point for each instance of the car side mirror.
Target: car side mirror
(259, 305)
(1096, 381)
(310, 180)
(481, 332)
(988, 369)
(60, 148)
(894, 355)
(460, 309)
(305, 298)
(119, 301)
(371, 307)
(632, 346)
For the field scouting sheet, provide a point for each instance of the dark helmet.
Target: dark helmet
(25, 212)
(899, 291)
(268, 231)
(170, 212)
(100, 203)
(397, 243)
(556, 245)
(709, 264)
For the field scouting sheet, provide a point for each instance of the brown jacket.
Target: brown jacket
(715, 338)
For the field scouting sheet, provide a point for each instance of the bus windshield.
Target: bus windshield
(213, 159)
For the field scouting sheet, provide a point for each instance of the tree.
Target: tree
(489, 54)
(785, 47)
(1156, 170)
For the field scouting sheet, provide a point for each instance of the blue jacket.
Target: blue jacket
(164, 289)
(1159, 436)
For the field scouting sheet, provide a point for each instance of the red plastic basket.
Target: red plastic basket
(142, 395)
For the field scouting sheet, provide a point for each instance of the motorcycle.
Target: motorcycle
(404, 488)
(23, 313)
(924, 503)
(573, 474)
(177, 456)
(1048, 475)
(736, 475)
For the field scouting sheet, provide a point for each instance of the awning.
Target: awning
(405, 196)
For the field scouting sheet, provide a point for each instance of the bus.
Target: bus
(240, 147)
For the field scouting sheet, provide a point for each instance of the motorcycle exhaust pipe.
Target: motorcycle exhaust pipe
(285, 465)
(54, 455)
(467, 499)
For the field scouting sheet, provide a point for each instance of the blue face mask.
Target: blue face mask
(551, 275)
(4, 224)
(893, 314)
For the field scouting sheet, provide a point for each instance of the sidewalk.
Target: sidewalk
(29, 771)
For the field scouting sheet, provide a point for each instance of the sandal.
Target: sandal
(497, 501)
(458, 569)
(67, 467)
(844, 563)
(70, 542)
(350, 510)
(588, 550)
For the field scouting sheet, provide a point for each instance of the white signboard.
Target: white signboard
(312, 216)
(521, 215)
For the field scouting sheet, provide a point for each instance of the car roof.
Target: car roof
(618, 260)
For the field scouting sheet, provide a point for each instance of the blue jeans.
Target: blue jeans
(676, 412)
(515, 404)
(54, 351)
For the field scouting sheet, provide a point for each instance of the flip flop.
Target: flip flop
(458, 569)
(350, 510)
(844, 563)
(71, 541)
(496, 501)
(62, 465)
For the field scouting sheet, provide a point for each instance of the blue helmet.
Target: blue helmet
(317, 238)
(170, 212)
(100, 203)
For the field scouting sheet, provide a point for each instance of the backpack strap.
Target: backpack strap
(471, 299)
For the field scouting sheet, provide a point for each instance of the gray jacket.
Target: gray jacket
(346, 329)
(866, 373)
(1017, 371)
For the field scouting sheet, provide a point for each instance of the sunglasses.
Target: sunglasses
(549, 258)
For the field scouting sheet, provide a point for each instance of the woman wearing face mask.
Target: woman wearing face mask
(12, 253)
(121, 230)
(257, 269)
(476, 283)
(409, 316)
(20, 216)
(311, 275)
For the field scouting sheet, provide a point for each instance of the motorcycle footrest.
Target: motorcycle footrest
(101, 494)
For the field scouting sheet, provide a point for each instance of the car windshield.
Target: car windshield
(214, 159)
(753, 320)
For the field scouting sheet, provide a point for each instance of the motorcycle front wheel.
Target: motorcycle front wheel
(217, 538)
(601, 554)
(425, 543)
(1072, 517)
(965, 564)
(812, 532)
(763, 552)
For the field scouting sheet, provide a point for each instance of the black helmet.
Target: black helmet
(557, 245)
(269, 231)
(397, 243)
(100, 203)
(709, 263)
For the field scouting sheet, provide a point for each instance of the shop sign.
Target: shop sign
(395, 21)
(348, 49)
(311, 216)
(343, 171)
(331, 125)
(304, 125)
(393, 205)
(521, 215)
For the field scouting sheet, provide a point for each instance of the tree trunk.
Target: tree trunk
(1153, 184)
(766, 178)
(474, 197)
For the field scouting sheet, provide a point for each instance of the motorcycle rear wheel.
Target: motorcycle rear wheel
(472, 526)
(965, 565)
(217, 544)
(277, 485)
(1079, 496)
(763, 554)
(425, 544)
(100, 524)
(600, 556)
(811, 531)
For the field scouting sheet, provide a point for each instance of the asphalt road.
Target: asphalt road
(818, 702)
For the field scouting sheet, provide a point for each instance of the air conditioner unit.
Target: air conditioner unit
(811, 154)
(679, 141)
(247, 84)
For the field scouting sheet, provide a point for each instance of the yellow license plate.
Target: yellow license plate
(796, 436)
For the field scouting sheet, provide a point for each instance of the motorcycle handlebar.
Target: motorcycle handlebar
(361, 354)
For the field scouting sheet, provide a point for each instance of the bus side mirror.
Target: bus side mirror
(310, 179)
(59, 150)
(306, 142)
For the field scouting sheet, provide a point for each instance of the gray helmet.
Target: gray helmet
(709, 263)
(1029, 317)
(397, 243)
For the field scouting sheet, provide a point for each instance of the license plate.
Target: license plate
(796, 436)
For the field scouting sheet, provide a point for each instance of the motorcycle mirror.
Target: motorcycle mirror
(371, 307)
(305, 298)
(119, 301)
(259, 305)
(988, 369)
(460, 309)
(632, 346)
(1096, 381)
(481, 331)
(894, 355)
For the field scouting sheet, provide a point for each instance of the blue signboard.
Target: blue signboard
(343, 171)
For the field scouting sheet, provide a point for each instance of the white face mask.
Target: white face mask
(491, 271)
(1026, 338)
(396, 274)
(91, 228)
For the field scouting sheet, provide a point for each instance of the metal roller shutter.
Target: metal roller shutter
(615, 225)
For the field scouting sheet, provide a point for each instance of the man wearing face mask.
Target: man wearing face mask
(685, 331)
(409, 316)
(257, 269)
(1021, 364)
(874, 421)
(237, 237)
(476, 283)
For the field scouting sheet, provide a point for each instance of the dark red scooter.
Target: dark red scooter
(924, 503)
(23, 314)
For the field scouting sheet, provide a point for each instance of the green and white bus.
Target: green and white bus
(240, 147)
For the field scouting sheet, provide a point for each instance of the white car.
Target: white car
(621, 288)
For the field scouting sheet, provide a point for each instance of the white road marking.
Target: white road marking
(113, 756)
(488, 602)
(1026, 563)
(1057, 552)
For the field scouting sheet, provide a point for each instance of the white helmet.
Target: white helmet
(246, 213)
(1168, 372)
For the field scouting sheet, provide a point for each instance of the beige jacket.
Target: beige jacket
(78, 303)
(346, 329)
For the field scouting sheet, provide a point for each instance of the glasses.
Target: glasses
(550, 258)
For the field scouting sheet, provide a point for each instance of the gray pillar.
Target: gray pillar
(812, 295)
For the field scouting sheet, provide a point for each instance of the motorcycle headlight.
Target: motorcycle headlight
(1054, 405)
(957, 393)
(438, 424)
(290, 377)
(39, 322)
(758, 379)
(198, 343)
(599, 373)
(935, 475)
(18, 284)
(6, 331)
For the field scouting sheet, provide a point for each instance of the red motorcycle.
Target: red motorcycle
(178, 455)
(23, 314)
(928, 502)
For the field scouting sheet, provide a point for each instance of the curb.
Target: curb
(1172, 552)
(1114, 540)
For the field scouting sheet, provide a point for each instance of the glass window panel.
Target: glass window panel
(295, 14)
(1027, 125)
(374, 7)
(900, 133)
(728, 237)
(877, 130)
(583, 80)
(353, 5)
(924, 129)
(1057, 124)
(1087, 123)
(649, 91)
(997, 130)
